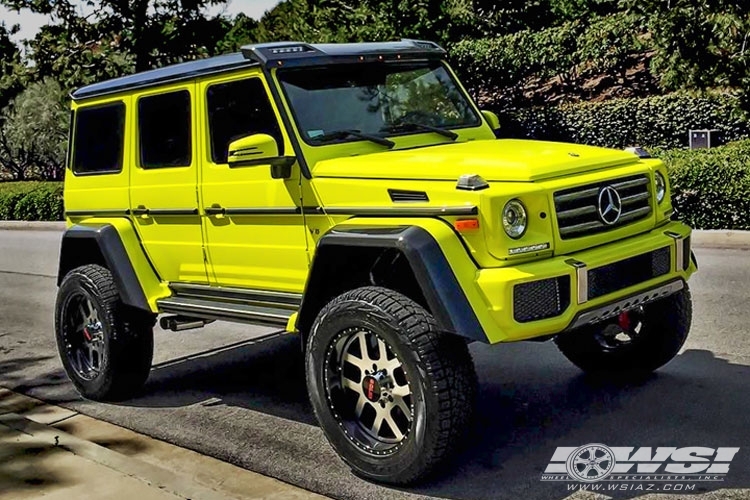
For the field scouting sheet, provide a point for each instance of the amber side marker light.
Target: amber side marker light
(466, 224)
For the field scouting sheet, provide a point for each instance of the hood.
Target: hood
(511, 160)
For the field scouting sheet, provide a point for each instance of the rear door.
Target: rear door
(163, 182)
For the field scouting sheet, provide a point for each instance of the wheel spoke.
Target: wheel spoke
(359, 363)
(361, 402)
(599, 469)
(401, 404)
(602, 459)
(394, 428)
(580, 460)
(362, 339)
(401, 391)
(587, 469)
(382, 353)
(378, 422)
(351, 384)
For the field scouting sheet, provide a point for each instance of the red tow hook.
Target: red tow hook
(86, 334)
(624, 320)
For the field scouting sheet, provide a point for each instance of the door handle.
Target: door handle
(214, 209)
(140, 210)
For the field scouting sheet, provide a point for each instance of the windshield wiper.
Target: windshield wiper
(407, 126)
(343, 134)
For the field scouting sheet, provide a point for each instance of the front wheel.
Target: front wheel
(391, 392)
(636, 342)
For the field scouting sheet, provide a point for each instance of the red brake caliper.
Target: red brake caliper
(624, 321)
(86, 334)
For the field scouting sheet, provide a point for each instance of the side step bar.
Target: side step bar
(232, 311)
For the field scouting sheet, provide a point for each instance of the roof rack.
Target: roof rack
(269, 55)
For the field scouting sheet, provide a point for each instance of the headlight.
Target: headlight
(661, 187)
(514, 219)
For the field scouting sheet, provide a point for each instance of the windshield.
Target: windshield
(345, 102)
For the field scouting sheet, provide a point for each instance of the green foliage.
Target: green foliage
(571, 51)
(659, 121)
(698, 43)
(33, 132)
(31, 201)
(711, 187)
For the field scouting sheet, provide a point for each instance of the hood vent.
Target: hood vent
(399, 195)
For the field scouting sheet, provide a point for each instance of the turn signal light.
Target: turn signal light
(466, 224)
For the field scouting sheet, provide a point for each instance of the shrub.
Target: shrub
(711, 187)
(31, 201)
(659, 121)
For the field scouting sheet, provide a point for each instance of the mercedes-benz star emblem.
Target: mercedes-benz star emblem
(610, 205)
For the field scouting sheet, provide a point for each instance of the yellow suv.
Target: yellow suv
(355, 194)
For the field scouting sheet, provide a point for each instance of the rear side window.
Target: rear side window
(98, 141)
(237, 109)
(164, 130)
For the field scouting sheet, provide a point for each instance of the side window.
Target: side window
(164, 130)
(237, 109)
(98, 139)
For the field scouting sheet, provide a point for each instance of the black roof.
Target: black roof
(276, 54)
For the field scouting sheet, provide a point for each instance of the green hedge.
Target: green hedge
(711, 187)
(31, 201)
(659, 121)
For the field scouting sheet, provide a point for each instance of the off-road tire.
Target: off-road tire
(665, 328)
(128, 339)
(442, 373)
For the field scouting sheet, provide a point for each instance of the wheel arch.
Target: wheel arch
(103, 244)
(405, 258)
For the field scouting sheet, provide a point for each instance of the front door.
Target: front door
(163, 183)
(255, 234)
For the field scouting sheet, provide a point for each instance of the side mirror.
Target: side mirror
(260, 149)
(492, 120)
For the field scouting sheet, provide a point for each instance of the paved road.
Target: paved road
(222, 392)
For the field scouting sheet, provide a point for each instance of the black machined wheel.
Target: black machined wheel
(392, 393)
(105, 346)
(83, 335)
(636, 342)
(368, 391)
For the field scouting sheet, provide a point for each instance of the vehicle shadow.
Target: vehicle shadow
(531, 401)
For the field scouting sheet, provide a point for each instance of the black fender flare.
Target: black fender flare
(102, 245)
(437, 281)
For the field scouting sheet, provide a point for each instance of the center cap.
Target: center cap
(371, 388)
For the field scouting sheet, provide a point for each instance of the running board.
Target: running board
(222, 310)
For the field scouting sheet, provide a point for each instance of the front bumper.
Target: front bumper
(565, 292)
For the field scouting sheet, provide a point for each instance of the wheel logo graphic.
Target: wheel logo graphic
(590, 463)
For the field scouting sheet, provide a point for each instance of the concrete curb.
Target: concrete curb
(163, 467)
(702, 238)
(20, 225)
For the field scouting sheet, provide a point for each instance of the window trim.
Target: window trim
(73, 136)
(477, 115)
(139, 148)
(276, 114)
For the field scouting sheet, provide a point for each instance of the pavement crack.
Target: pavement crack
(20, 273)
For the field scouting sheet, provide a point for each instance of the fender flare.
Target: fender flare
(112, 254)
(437, 281)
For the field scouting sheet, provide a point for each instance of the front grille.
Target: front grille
(628, 272)
(541, 299)
(578, 212)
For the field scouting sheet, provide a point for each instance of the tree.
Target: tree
(34, 131)
(10, 62)
(699, 43)
(145, 33)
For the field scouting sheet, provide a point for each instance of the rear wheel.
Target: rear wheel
(391, 392)
(105, 346)
(635, 343)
